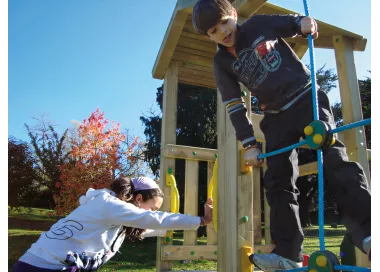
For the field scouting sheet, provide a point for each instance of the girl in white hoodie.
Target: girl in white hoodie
(90, 235)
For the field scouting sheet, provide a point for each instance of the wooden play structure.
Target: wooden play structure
(187, 57)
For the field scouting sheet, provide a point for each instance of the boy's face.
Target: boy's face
(224, 32)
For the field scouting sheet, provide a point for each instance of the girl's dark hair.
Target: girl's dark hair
(124, 190)
(208, 13)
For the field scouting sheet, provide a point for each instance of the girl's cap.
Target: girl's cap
(144, 183)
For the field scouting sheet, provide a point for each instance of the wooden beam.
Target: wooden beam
(308, 169)
(197, 44)
(227, 228)
(198, 60)
(351, 104)
(326, 42)
(195, 36)
(268, 237)
(178, 253)
(187, 152)
(169, 43)
(197, 82)
(246, 8)
(245, 199)
(300, 50)
(352, 111)
(191, 197)
(256, 205)
(195, 67)
(186, 5)
(251, 191)
(256, 119)
(188, 27)
(186, 72)
(194, 52)
(168, 136)
(323, 27)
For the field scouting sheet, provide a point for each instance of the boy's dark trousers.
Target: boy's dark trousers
(346, 180)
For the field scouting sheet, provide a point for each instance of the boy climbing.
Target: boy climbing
(256, 55)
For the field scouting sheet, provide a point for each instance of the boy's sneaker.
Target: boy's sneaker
(272, 262)
(367, 246)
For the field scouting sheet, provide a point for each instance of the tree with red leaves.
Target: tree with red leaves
(95, 158)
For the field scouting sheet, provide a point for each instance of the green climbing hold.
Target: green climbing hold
(337, 40)
(167, 239)
(216, 155)
(216, 252)
(243, 93)
(170, 171)
(266, 228)
(245, 219)
(259, 251)
(194, 153)
(192, 253)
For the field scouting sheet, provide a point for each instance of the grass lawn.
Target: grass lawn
(25, 227)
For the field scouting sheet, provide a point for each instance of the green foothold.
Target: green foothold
(170, 171)
(243, 93)
(216, 155)
(192, 253)
(216, 252)
(266, 228)
(259, 251)
(167, 239)
(194, 153)
(245, 219)
(337, 40)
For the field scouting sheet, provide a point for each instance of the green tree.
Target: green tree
(22, 188)
(50, 153)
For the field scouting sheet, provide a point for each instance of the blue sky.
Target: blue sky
(66, 58)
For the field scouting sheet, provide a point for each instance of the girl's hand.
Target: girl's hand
(207, 218)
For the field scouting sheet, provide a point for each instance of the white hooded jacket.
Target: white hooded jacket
(92, 230)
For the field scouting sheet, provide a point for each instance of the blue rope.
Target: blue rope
(279, 151)
(304, 142)
(352, 125)
(319, 152)
(321, 204)
(351, 268)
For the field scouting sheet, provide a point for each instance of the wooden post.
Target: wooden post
(168, 136)
(268, 237)
(191, 197)
(246, 217)
(300, 50)
(227, 192)
(351, 103)
(211, 234)
(352, 111)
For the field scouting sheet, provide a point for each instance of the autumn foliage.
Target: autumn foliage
(94, 160)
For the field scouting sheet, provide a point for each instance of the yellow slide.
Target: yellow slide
(213, 193)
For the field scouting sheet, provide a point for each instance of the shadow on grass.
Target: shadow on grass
(17, 246)
(29, 224)
(330, 232)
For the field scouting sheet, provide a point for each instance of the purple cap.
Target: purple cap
(144, 183)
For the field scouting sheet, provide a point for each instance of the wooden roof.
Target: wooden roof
(195, 53)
